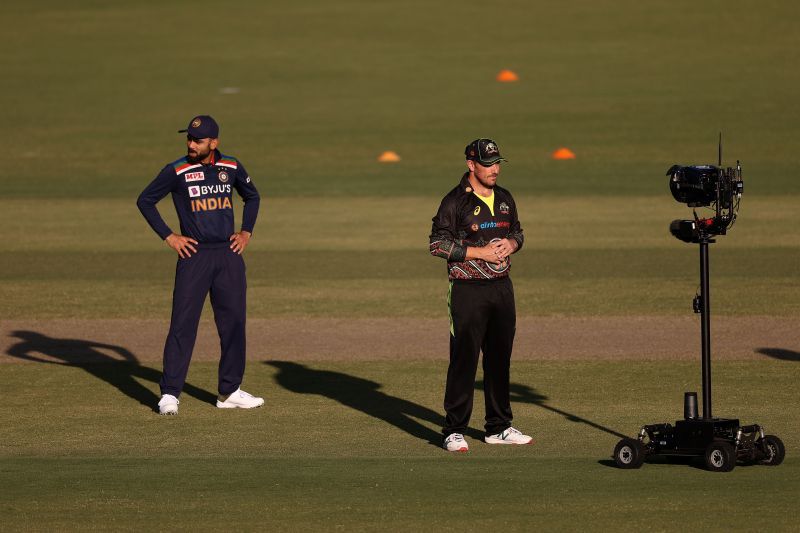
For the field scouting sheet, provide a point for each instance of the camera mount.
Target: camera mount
(721, 441)
(706, 186)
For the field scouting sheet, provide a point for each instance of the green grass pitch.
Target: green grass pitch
(308, 94)
(355, 446)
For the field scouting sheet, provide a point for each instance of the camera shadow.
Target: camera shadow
(782, 354)
(526, 394)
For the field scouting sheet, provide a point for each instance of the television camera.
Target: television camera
(720, 441)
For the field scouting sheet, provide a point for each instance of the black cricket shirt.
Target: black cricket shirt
(465, 220)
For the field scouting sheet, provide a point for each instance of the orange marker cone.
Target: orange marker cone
(563, 153)
(507, 76)
(389, 157)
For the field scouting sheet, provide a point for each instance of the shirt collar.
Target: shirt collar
(465, 186)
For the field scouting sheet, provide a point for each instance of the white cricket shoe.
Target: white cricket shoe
(455, 443)
(239, 399)
(509, 436)
(168, 405)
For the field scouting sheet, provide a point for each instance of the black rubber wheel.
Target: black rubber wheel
(629, 453)
(774, 450)
(720, 456)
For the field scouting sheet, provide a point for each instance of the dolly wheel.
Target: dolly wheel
(774, 451)
(629, 453)
(720, 456)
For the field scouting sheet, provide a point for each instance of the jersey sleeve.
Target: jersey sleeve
(151, 195)
(515, 231)
(244, 186)
(443, 240)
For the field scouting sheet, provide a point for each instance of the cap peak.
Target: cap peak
(202, 127)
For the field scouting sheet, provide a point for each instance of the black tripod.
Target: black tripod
(704, 308)
(720, 441)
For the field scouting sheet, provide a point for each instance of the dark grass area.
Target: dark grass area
(95, 408)
(309, 94)
(354, 446)
(389, 494)
(407, 283)
(669, 264)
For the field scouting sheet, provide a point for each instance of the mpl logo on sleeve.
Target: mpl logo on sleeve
(195, 176)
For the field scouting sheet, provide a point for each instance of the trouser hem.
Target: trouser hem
(496, 430)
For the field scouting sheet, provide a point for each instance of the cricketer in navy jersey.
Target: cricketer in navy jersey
(209, 259)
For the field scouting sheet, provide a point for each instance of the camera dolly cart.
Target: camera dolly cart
(720, 441)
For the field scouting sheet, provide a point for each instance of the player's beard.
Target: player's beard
(487, 180)
(194, 157)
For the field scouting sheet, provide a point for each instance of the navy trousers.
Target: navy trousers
(217, 270)
(483, 319)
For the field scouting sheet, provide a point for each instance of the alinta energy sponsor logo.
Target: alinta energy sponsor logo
(492, 225)
(211, 204)
(196, 191)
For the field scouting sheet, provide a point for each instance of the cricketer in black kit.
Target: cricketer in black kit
(476, 230)
(209, 259)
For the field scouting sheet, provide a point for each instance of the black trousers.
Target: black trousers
(482, 318)
(217, 270)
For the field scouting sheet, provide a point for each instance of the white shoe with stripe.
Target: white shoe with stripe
(509, 436)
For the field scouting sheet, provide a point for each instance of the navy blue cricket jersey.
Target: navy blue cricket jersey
(202, 197)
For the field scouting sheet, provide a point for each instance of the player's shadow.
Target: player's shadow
(115, 365)
(780, 353)
(525, 394)
(365, 396)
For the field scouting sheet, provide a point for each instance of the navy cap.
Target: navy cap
(202, 127)
(483, 151)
